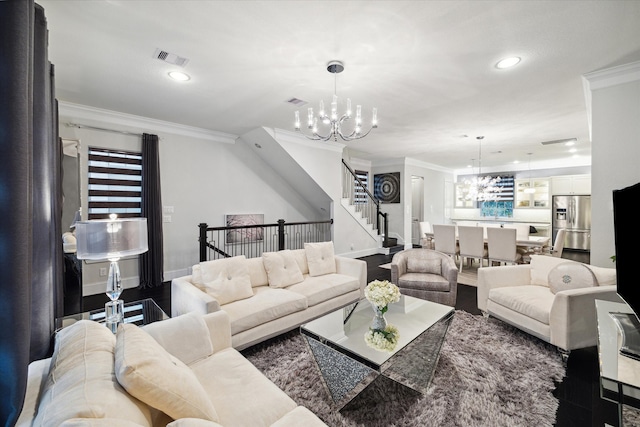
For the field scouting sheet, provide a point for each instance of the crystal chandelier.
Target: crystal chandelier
(482, 188)
(333, 120)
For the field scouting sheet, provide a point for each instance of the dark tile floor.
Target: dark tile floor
(578, 393)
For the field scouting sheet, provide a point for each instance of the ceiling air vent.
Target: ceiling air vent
(560, 141)
(297, 102)
(171, 58)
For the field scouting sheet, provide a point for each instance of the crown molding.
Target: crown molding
(114, 118)
(613, 76)
(605, 78)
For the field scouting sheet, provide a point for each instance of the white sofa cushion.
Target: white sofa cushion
(301, 258)
(185, 337)
(151, 374)
(282, 269)
(530, 300)
(81, 381)
(570, 275)
(605, 276)
(267, 304)
(324, 288)
(320, 258)
(242, 395)
(257, 273)
(227, 279)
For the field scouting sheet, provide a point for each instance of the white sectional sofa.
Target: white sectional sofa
(551, 298)
(272, 294)
(178, 372)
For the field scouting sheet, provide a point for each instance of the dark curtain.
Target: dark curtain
(151, 262)
(30, 237)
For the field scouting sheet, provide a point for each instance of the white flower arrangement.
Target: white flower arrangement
(381, 293)
(382, 340)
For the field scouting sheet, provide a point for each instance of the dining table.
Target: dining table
(534, 242)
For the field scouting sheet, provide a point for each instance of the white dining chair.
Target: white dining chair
(444, 236)
(502, 246)
(558, 245)
(426, 241)
(471, 243)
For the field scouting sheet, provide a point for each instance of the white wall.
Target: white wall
(435, 184)
(614, 98)
(201, 178)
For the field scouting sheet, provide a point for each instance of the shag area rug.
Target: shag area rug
(489, 374)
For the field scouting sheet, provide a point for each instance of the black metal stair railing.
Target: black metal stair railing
(253, 240)
(363, 201)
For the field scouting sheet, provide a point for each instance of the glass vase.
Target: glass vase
(379, 322)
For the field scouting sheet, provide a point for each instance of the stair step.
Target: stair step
(391, 241)
(395, 249)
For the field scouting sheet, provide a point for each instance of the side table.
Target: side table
(619, 374)
(140, 312)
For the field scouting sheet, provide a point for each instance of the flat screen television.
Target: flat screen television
(627, 240)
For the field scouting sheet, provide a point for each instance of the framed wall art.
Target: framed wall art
(244, 235)
(386, 187)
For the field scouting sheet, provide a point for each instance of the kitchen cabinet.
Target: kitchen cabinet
(531, 193)
(461, 190)
(571, 185)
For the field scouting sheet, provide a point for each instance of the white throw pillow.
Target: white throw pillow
(541, 265)
(570, 275)
(148, 372)
(81, 381)
(320, 258)
(282, 269)
(227, 280)
(186, 337)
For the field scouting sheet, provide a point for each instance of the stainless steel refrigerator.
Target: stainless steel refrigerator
(573, 213)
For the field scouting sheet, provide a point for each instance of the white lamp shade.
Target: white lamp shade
(102, 239)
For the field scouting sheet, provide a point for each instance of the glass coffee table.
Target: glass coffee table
(140, 312)
(349, 365)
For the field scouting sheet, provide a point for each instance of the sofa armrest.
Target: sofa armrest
(398, 266)
(185, 298)
(573, 318)
(499, 277)
(219, 326)
(353, 267)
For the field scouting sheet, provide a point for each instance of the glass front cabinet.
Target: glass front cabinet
(461, 192)
(532, 193)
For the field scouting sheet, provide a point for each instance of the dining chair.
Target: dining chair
(558, 245)
(471, 243)
(426, 241)
(444, 236)
(522, 233)
(502, 246)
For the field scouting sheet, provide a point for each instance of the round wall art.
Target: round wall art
(386, 187)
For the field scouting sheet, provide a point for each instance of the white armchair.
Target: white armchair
(550, 298)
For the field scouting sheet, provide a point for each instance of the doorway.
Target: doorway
(417, 207)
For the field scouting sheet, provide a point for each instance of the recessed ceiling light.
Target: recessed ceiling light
(516, 162)
(180, 76)
(570, 142)
(507, 62)
(573, 150)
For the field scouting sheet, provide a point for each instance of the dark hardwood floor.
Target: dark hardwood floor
(578, 393)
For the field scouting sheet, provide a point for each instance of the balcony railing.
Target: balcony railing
(252, 240)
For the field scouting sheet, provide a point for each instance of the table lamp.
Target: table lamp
(112, 239)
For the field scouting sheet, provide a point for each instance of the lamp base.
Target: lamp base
(114, 314)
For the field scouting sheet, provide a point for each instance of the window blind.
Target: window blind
(115, 179)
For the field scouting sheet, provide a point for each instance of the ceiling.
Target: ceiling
(427, 66)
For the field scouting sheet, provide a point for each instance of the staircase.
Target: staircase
(358, 200)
